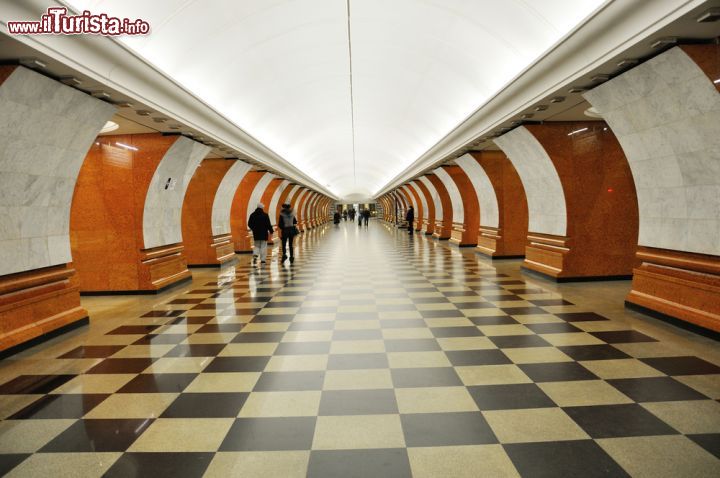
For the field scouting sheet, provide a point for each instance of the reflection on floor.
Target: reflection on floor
(374, 355)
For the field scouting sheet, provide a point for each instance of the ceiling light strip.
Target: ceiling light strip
(352, 99)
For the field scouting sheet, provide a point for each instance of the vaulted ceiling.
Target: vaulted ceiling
(349, 91)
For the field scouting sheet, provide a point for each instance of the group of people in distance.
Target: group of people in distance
(363, 216)
(261, 226)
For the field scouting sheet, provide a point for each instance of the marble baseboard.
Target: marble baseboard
(682, 285)
(35, 303)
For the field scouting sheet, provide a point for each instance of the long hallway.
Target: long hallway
(374, 355)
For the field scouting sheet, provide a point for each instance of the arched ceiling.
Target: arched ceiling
(281, 70)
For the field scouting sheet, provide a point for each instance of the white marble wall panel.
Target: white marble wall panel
(299, 204)
(458, 209)
(406, 190)
(46, 129)
(274, 207)
(257, 193)
(291, 195)
(222, 204)
(547, 212)
(162, 213)
(487, 199)
(435, 197)
(666, 115)
(423, 200)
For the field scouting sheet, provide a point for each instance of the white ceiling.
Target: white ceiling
(280, 69)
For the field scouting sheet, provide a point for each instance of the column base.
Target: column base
(459, 237)
(491, 243)
(161, 267)
(220, 251)
(563, 259)
(682, 285)
(35, 303)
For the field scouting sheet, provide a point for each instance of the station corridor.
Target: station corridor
(375, 355)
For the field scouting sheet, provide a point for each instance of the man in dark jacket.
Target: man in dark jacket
(259, 224)
(410, 218)
(288, 230)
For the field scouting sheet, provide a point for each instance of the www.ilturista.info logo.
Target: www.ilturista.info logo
(56, 21)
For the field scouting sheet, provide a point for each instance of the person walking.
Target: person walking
(345, 214)
(336, 218)
(287, 226)
(259, 224)
(410, 218)
(366, 217)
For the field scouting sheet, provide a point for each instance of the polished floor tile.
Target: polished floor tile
(374, 354)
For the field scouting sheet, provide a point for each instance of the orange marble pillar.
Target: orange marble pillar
(465, 234)
(300, 209)
(429, 226)
(202, 248)
(267, 197)
(239, 212)
(405, 199)
(42, 150)
(601, 208)
(283, 200)
(508, 236)
(119, 211)
(418, 207)
(443, 226)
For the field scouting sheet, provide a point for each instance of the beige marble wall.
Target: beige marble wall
(489, 213)
(458, 209)
(224, 197)
(666, 115)
(546, 201)
(46, 128)
(162, 213)
(435, 197)
(274, 209)
(423, 201)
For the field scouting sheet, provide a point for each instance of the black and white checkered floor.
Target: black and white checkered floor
(375, 355)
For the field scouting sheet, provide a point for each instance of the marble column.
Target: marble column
(666, 115)
(127, 212)
(503, 205)
(581, 199)
(46, 130)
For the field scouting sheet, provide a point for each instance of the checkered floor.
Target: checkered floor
(375, 355)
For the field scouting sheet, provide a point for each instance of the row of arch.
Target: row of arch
(636, 195)
(82, 213)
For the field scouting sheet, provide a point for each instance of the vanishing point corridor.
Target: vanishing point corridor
(374, 355)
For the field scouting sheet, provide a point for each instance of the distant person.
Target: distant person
(336, 218)
(345, 214)
(351, 213)
(261, 227)
(410, 218)
(360, 218)
(366, 216)
(287, 226)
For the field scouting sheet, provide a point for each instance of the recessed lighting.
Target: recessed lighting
(174, 126)
(666, 41)
(599, 78)
(577, 131)
(709, 15)
(70, 81)
(142, 112)
(541, 107)
(101, 95)
(557, 99)
(716, 81)
(160, 120)
(593, 113)
(527, 116)
(33, 63)
(127, 146)
(627, 63)
(109, 126)
(577, 89)
(124, 104)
